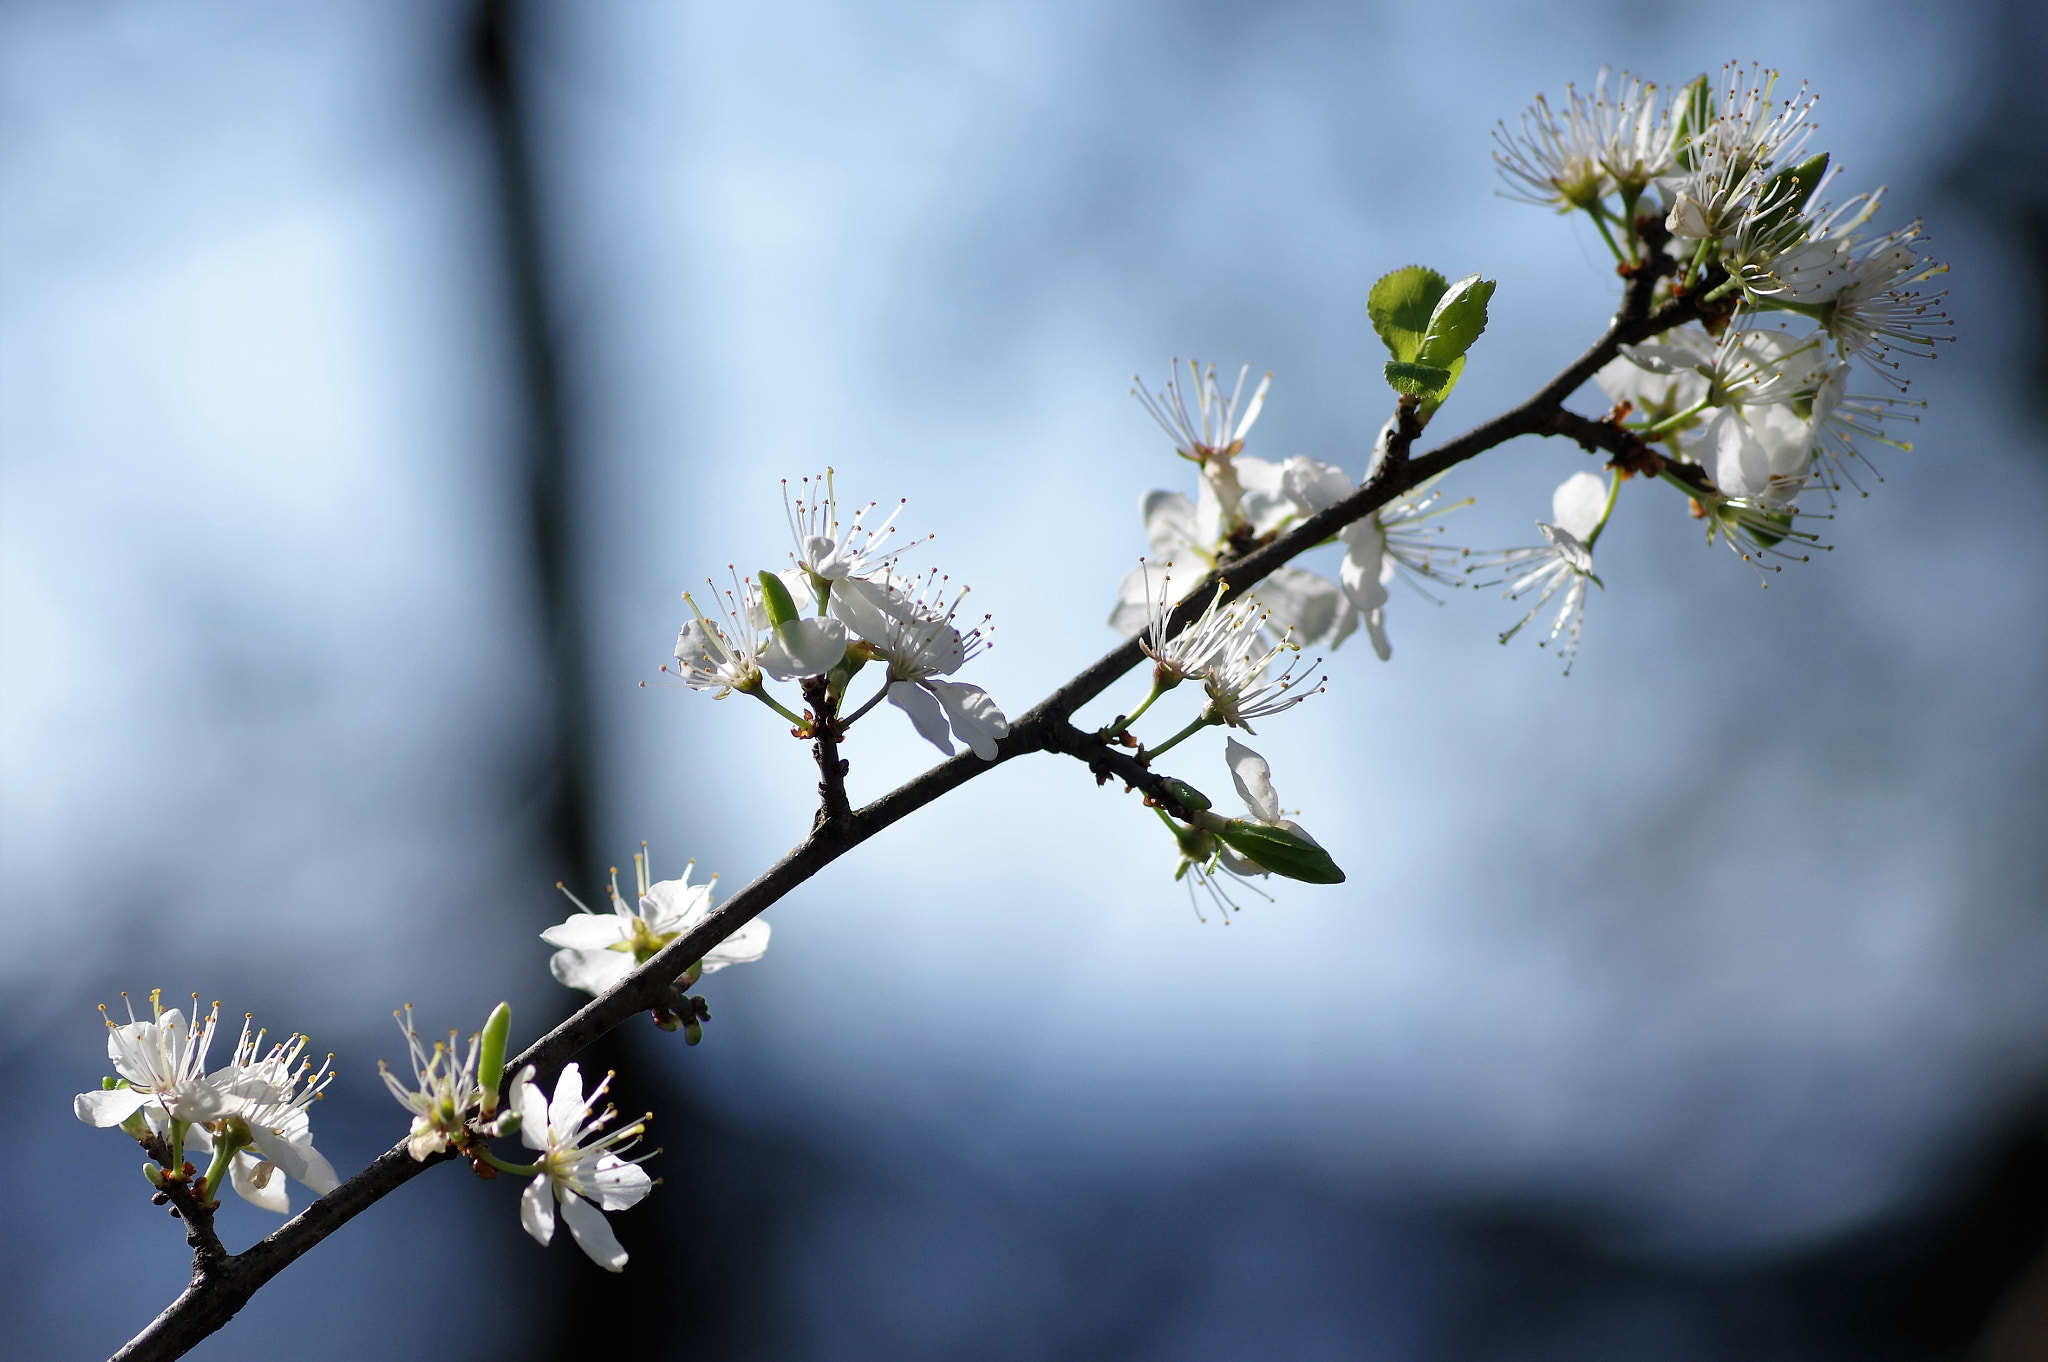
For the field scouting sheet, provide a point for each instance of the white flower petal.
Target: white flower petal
(593, 1233)
(1314, 486)
(260, 1183)
(1170, 528)
(743, 947)
(1254, 781)
(591, 972)
(588, 931)
(924, 711)
(568, 1106)
(675, 905)
(108, 1108)
(975, 718)
(869, 608)
(806, 647)
(1577, 503)
(614, 1183)
(537, 1208)
(532, 1105)
(1304, 602)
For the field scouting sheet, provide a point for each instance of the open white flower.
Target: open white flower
(733, 651)
(270, 1092)
(163, 1061)
(1558, 157)
(444, 1091)
(1241, 687)
(600, 949)
(1564, 563)
(841, 559)
(1293, 601)
(1395, 540)
(579, 1169)
(913, 631)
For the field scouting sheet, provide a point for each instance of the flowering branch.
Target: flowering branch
(1751, 417)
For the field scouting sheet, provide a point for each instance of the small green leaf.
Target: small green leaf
(1418, 380)
(1400, 306)
(1282, 852)
(776, 599)
(1188, 795)
(1457, 321)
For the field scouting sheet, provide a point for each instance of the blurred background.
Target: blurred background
(373, 377)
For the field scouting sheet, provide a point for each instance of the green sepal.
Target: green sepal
(490, 1063)
(1457, 320)
(113, 1084)
(1280, 851)
(1417, 380)
(1188, 796)
(1401, 305)
(775, 598)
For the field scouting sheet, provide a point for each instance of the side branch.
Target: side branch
(218, 1291)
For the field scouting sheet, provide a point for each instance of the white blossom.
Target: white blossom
(911, 627)
(598, 950)
(1395, 540)
(1293, 600)
(1241, 686)
(733, 651)
(444, 1091)
(579, 1169)
(270, 1092)
(163, 1062)
(1564, 563)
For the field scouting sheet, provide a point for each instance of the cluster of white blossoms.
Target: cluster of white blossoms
(248, 1117)
(862, 610)
(1754, 403)
(1244, 502)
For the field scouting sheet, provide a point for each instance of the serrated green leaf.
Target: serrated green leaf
(1443, 394)
(1400, 306)
(1418, 380)
(1457, 320)
(1282, 852)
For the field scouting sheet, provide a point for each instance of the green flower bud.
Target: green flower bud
(775, 598)
(1280, 851)
(490, 1064)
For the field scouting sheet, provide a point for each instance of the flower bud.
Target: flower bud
(1280, 851)
(776, 600)
(490, 1065)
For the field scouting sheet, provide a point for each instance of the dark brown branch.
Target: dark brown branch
(833, 807)
(215, 1295)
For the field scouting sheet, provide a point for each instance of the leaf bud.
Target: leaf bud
(1187, 795)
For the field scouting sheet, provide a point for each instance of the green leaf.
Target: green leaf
(1418, 380)
(1280, 851)
(1459, 317)
(1188, 795)
(1400, 306)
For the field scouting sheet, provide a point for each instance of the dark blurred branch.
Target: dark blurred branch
(215, 1295)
